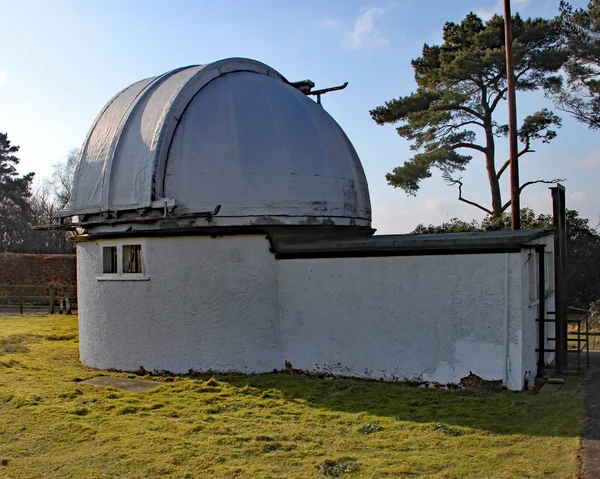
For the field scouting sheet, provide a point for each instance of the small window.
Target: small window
(109, 260)
(122, 263)
(132, 258)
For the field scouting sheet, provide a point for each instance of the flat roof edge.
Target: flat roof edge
(407, 245)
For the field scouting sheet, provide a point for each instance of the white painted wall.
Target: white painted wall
(226, 304)
(435, 318)
(209, 304)
(529, 260)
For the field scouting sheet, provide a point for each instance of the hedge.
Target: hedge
(38, 269)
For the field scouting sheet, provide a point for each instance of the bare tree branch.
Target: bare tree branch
(548, 182)
(473, 146)
(471, 111)
(449, 128)
(502, 168)
(528, 183)
(458, 182)
(498, 98)
(521, 153)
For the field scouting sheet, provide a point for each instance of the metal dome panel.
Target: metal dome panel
(91, 175)
(233, 134)
(131, 175)
(261, 149)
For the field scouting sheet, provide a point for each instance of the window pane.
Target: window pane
(109, 259)
(132, 258)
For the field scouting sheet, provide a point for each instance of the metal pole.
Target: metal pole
(541, 312)
(515, 206)
(560, 274)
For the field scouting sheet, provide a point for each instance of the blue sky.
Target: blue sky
(61, 61)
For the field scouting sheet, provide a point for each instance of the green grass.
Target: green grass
(263, 426)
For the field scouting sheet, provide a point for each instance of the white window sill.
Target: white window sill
(123, 277)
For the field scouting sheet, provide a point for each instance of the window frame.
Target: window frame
(120, 275)
(103, 250)
(139, 262)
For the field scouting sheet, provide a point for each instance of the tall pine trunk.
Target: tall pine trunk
(490, 165)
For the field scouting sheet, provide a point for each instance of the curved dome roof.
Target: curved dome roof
(231, 142)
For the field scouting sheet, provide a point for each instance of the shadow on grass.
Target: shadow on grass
(503, 412)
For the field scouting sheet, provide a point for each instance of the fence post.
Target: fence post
(52, 299)
(20, 300)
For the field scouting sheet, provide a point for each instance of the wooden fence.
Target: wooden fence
(56, 298)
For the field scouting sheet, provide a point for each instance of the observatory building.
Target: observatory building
(224, 224)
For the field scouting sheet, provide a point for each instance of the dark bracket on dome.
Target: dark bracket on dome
(305, 86)
(318, 93)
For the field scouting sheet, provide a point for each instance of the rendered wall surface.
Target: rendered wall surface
(226, 304)
(209, 304)
(529, 261)
(434, 318)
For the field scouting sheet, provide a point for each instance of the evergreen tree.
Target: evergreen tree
(460, 85)
(579, 95)
(15, 192)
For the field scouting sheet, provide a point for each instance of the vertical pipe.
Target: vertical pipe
(20, 300)
(541, 311)
(560, 274)
(563, 260)
(515, 206)
(506, 319)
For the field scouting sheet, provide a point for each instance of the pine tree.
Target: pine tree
(15, 192)
(460, 85)
(579, 95)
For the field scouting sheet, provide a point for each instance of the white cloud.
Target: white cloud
(584, 202)
(404, 215)
(582, 199)
(592, 160)
(3, 78)
(363, 33)
(498, 8)
(539, 202)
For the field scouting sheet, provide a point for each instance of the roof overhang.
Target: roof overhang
(408, 244)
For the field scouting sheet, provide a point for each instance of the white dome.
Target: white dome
(231, 143)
